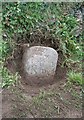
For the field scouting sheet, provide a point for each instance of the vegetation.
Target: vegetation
(8, 78)
(75, 77)
(48, 18)
(44, 22)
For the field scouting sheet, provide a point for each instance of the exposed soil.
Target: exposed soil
(15, 64)
(56, 99)
(35, 102)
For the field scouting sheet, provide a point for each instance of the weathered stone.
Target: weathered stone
(40, 62)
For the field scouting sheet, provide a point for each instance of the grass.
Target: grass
(52, 20)
(48, 102)
(75, 77)
(7, 77)
(45, 103)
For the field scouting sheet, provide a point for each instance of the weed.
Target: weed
(7, 77)
(54, 23)
(75, 77)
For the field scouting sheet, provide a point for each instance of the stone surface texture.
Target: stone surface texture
(40, 61)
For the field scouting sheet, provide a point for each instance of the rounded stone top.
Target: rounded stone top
(40, 61)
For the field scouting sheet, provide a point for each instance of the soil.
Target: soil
(56, 99)
(15, 64)
(50, 101)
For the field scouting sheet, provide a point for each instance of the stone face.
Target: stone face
(40, 62)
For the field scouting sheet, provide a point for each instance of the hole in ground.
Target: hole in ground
(15, 65)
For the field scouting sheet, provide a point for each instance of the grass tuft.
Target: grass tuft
(75, 77)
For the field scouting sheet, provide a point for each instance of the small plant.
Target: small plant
(7, 77)
(75, 77)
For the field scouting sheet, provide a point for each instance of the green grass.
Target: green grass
(7, 77)
(48, 18)
(75, 77)
(52, 20)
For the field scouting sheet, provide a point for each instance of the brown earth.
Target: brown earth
(51, 101)
(57, 99)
